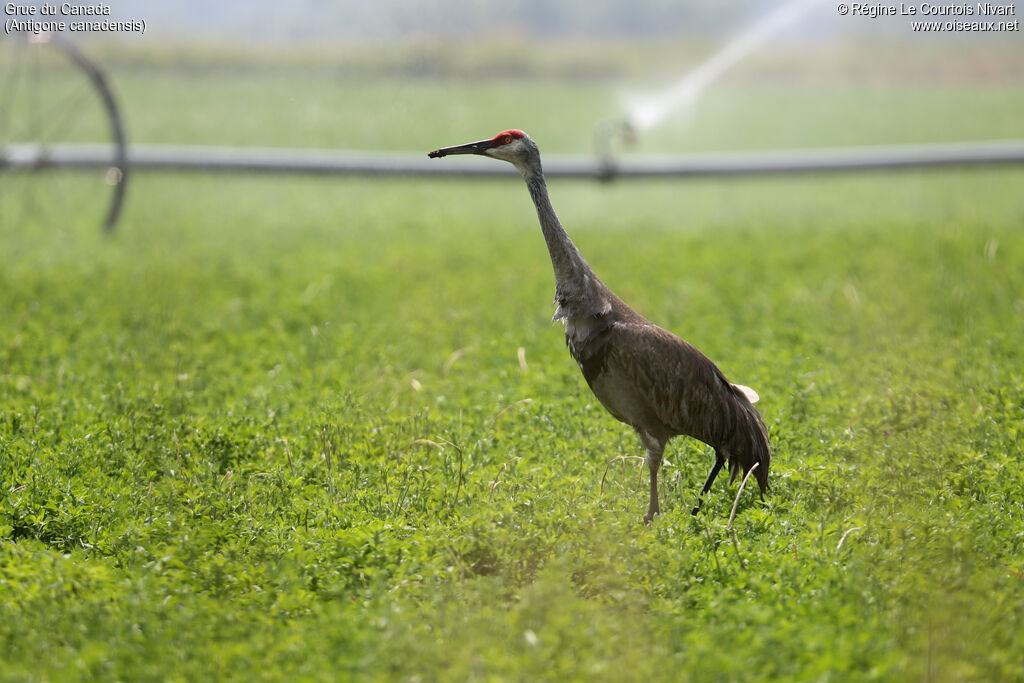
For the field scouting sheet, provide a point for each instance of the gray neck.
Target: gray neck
(578, 291)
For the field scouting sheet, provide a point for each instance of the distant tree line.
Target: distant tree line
(354, 19)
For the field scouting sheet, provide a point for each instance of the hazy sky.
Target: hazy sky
(361, 20)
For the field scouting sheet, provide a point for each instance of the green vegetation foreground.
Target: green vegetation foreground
(253, 440)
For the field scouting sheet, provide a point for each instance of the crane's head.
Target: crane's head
(513, 146)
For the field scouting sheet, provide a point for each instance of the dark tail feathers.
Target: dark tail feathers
(748, 444)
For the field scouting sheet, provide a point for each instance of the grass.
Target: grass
(278, 427)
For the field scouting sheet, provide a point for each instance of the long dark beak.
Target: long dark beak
(469, 148)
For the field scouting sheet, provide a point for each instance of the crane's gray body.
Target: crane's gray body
(642, 374)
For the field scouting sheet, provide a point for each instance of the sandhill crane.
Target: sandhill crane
(644, 376)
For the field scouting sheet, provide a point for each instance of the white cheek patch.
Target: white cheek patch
(507, 152)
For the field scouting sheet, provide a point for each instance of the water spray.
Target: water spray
(645, 113)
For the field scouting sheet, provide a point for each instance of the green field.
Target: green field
(323, 429)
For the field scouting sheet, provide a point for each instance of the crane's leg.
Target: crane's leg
(719, 461)
(654, 450)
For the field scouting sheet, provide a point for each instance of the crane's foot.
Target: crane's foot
(649, 517)
(696, 508)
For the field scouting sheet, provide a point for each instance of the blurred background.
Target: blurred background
(689, 77)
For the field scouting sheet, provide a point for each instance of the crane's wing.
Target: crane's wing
(650, 378)
(686, 393)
